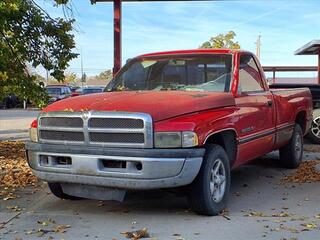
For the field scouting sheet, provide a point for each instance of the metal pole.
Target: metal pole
(117, 8)
(47, 77)
(319, 67)
(258, 43)
(81, 70)
(274, 76)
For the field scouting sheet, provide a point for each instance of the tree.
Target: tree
(222, 41)
(105, 75)
(30, 36)
(71, 79)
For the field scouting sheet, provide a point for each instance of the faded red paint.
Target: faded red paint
(160, 104)
(206, 113)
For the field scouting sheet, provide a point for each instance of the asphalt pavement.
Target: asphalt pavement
(14, 124)
(256, 191)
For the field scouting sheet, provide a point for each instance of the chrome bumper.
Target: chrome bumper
(115, 168)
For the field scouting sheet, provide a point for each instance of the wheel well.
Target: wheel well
(301, 120)
(228, 140)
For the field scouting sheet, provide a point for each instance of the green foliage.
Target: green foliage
(222, 41)
(71, 79)
(105, 75)
(29, 36)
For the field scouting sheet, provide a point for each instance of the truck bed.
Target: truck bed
(286, 102)
(314, 89)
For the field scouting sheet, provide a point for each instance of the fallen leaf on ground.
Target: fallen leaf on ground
(14, 208)
(306, 173)
(309, 225)
(261, 214)
(14, 169)
(61, 228)
(135, 235)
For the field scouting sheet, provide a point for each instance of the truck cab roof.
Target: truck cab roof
(193, 51)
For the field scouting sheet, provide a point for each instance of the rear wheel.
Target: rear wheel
(210, 190)
(56, 190)
(291, 154)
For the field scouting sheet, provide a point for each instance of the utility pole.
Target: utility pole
(47, 77)
(83, 74)
(258, 44)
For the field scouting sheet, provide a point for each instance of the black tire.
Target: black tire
(314, 134)
(201, 198)
(291, 154)
(57, 191)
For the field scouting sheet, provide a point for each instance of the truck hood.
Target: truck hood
(159, 104)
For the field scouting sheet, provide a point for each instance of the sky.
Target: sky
(284, 27)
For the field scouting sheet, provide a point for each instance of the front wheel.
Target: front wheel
(291, 154)
(210, 190)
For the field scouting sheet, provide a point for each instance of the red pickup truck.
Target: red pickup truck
(169, 119)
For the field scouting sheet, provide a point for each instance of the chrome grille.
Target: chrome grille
(61, 122)
(115, 123)
(117, 137)
(62, 136)
(114, 129)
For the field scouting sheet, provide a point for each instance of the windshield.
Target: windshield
(186, 73)
(54, 91)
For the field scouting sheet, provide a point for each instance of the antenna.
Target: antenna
(83, 74)
(81, 63)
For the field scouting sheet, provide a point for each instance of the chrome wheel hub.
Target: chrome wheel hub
(217, 181)
(315, 128)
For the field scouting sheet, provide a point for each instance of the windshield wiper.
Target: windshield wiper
(172, 87)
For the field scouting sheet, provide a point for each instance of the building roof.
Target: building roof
(311, 48)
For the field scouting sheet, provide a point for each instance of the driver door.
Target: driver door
(256, 125)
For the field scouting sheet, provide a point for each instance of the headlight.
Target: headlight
(175, 139)
(33, 134)
(33, 131)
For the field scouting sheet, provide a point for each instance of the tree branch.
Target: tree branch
(15, 54)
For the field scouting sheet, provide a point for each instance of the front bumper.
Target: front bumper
(114, 167)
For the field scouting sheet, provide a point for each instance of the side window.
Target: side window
(249, 76)
(63, 91)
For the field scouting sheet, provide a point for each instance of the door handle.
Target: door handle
(269, 103)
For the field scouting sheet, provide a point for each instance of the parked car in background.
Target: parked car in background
(90, 90)
(74, 88)
(58, 92)
(76, 92)
(10, 101)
